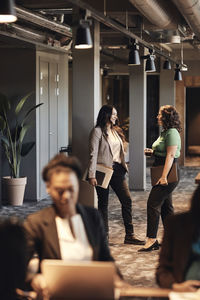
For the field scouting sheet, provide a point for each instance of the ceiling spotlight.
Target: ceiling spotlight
(7, 11)
(105, 72)
(134, 58)
(83, 34)
(150, 64)
(167, 65)
(178, 74)
(184, 67)
(173, 37)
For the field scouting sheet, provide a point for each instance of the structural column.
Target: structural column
(137, 130)
(167, 87)
(86, 104)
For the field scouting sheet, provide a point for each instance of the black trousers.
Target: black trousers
(120, 187)
(159, 204)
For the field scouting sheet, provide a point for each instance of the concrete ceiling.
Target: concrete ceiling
(147, 25)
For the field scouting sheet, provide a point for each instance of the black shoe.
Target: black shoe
(133, 239)
(154, 246)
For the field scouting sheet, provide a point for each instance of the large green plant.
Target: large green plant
(14, 126)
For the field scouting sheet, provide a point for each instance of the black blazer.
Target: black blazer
(176, 250)
(43, 238)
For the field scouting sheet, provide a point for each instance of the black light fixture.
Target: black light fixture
(83, 34)
(167, 65)
(150, 64)
(7, 11)
(134, 58)
(105, 70)
(178, 74)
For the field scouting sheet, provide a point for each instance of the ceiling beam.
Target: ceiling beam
(43, 21)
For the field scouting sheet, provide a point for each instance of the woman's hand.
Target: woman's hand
(92, 181)
(148, 151)
(162, 181)
(186, 286)
(38, 284)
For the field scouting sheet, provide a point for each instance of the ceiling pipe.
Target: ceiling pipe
(43, 21)
(106, 53)
(115, 26)
(155, 13)
(190, 10)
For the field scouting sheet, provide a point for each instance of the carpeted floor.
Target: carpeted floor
(137, 268)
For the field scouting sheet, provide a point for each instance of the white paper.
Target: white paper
(185, 296)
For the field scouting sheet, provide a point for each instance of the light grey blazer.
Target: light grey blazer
(101, 152)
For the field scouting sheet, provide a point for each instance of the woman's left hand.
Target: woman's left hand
(162, 181)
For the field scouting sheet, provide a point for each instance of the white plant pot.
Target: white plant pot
(14, 189)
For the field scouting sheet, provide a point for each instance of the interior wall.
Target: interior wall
(191, 78)
(17, 78)
(192, 116)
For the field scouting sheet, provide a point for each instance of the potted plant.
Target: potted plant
(14, 126)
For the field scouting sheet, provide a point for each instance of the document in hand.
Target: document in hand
(185, 296)
(103, 175)
(156, 173)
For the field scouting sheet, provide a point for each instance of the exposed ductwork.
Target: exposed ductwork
(190, 9)
(155, 13)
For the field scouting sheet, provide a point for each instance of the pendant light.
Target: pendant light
(134, 57)
(7, 11)
(150, 63)
(83, 34)
(178, 74)
(167, 65)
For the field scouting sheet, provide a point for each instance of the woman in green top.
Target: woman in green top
(166, 150)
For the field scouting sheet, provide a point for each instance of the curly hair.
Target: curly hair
(170, 117)
(104, 117)
(59, 163)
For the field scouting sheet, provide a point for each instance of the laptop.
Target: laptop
(79, 280)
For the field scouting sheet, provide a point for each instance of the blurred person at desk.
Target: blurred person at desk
(13, 260)
(66, 230)
(179, 262)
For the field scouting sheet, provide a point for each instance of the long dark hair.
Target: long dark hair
(170, 117)
(104, 117)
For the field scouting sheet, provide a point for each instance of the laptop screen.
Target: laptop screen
(79, 280)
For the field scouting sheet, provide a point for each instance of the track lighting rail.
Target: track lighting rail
(115, 26)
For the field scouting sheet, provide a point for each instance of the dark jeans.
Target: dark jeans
(159, 204)
(120, 187)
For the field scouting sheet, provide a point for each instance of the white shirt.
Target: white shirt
(71, 248)
(116, 144)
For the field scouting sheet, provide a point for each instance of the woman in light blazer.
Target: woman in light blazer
(106, 146)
